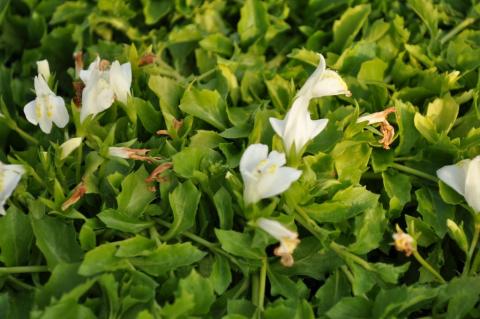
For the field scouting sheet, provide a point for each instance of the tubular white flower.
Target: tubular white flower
(298, 128)
(97, 96)
(121, 79)
(10, 175)
(287, 238)
(103, 86)
(464, 177)
(323, 82)
(69, 146)
(122, 152)
(46, 108)
(43, 69)
(263, 174)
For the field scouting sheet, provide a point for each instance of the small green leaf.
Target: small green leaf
(16, 238)
(57, 240)
(253, 21)
(238, 244)
(346, 28)
(184, 202)
(135, 194)
(206, 105)
(121, 221)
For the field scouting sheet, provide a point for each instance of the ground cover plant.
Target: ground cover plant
(239, 159)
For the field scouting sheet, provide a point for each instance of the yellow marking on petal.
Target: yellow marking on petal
(38, 110)
(272, 169)
(49, 105)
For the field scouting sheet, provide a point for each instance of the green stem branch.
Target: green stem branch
(25, 135)
(262, 283)
(413, 171)
(458, 28)
(471, 251)
(23, 269)
(429, 267)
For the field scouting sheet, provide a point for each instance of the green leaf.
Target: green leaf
(331, 292)
(150, 118)
(345, 204)
(202, 291)
(100, 259)
(223, 203)
(253, 21)
(351, 307)
(206, 105)
(238, 244)
(120, 221)
(369, 230)
(155, 10)
(428, 13)
(16, 238)
(217, 43)
(192, 159)
(68, 309)
(169, 92)
(184, 202)
(351, 158)
(168, 257)
(56, 240)
(221, 276)
(443, 112)
(433, 210)
(135, 194)
(408, 134)
(398, 187)
(372, 70)
(346, 28)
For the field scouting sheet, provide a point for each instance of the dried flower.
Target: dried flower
(404, 242)
(288, 239)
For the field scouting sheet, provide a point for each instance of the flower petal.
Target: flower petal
(43, 69)
(69, 146)
(455, 175)
(277, 158)
(472, 184)
(330, 84)
(60, 114)
(275, 229)
(278, 126)
(251, 158)
(45, 124)
(41, 87)
(317, 126)
(97, 96)
(274, 183)
(30, 112)
(308, 86)
(120, 78)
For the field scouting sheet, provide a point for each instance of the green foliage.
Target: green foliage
(167, 234)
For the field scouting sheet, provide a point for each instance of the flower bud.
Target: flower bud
(456, 233)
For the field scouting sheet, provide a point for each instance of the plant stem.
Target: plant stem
(19, 283)
(309, 223)
(345, 254)
(23, 269)
(414, 171)
(262, 283)
(25, 135)
(427, 266)
(78, 170)
(473, 245)
(465, 23)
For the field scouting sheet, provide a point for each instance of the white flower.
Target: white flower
(97, 96)
(377, 117)
(46, 108)
(43, 69)
(69, 146)
(121, 80)
(10, 175)
(103, 86)
(464, 177)
(323, 82)
(287, 238)
(263, 174)
(298, 128)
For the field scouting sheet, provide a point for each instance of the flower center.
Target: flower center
(38, 109)
(265, 167)
(49, 106)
